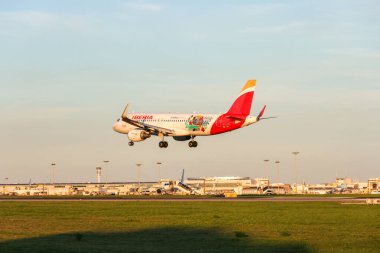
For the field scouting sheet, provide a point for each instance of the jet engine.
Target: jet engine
(138, 135)
(181, 138)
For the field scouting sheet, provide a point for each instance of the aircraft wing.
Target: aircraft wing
(147, 127)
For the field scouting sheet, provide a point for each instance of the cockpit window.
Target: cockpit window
(118, 120)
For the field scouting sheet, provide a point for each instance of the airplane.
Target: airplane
(184, 127)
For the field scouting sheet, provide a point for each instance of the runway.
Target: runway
(260, 199)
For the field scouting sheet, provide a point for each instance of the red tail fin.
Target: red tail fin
(242, 105)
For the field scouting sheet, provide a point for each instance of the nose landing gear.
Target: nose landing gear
(131, 143)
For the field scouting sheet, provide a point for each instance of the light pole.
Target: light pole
(6, 182)
(98, 174)
(159, 170)
(105, 167)
(278, 175)
(266, 169)
(204, 186)
(138, 172)
(295, 153)
(52, 172)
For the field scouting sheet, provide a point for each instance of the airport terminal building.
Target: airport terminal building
(192, 186)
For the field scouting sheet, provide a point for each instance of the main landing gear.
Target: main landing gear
(163, 144)
(192, 143)
(131, 143)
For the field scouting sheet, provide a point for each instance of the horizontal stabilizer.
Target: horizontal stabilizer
(260, 116)
(238, 117)
(261, 113)
(269, 118)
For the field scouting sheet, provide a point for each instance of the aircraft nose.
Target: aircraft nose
(116, 127)
(120, 127)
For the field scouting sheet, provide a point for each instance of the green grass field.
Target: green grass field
(188, 227)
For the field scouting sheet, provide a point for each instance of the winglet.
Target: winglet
(261, 113)
(124, 115)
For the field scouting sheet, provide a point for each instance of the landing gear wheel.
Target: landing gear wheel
(163, 144)
(193, 144)
(131, 143)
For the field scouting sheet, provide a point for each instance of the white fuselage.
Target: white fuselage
(185, 124)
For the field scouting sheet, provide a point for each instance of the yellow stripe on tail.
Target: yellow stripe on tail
(249, 84)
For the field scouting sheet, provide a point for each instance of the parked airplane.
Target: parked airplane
(183, 127)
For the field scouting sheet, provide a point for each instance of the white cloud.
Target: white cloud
(143, 6)
(28, 23)
(261, 8)
(276, 29)
(29, 18)
(362, 53)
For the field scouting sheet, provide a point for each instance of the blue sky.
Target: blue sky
(67, 68)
